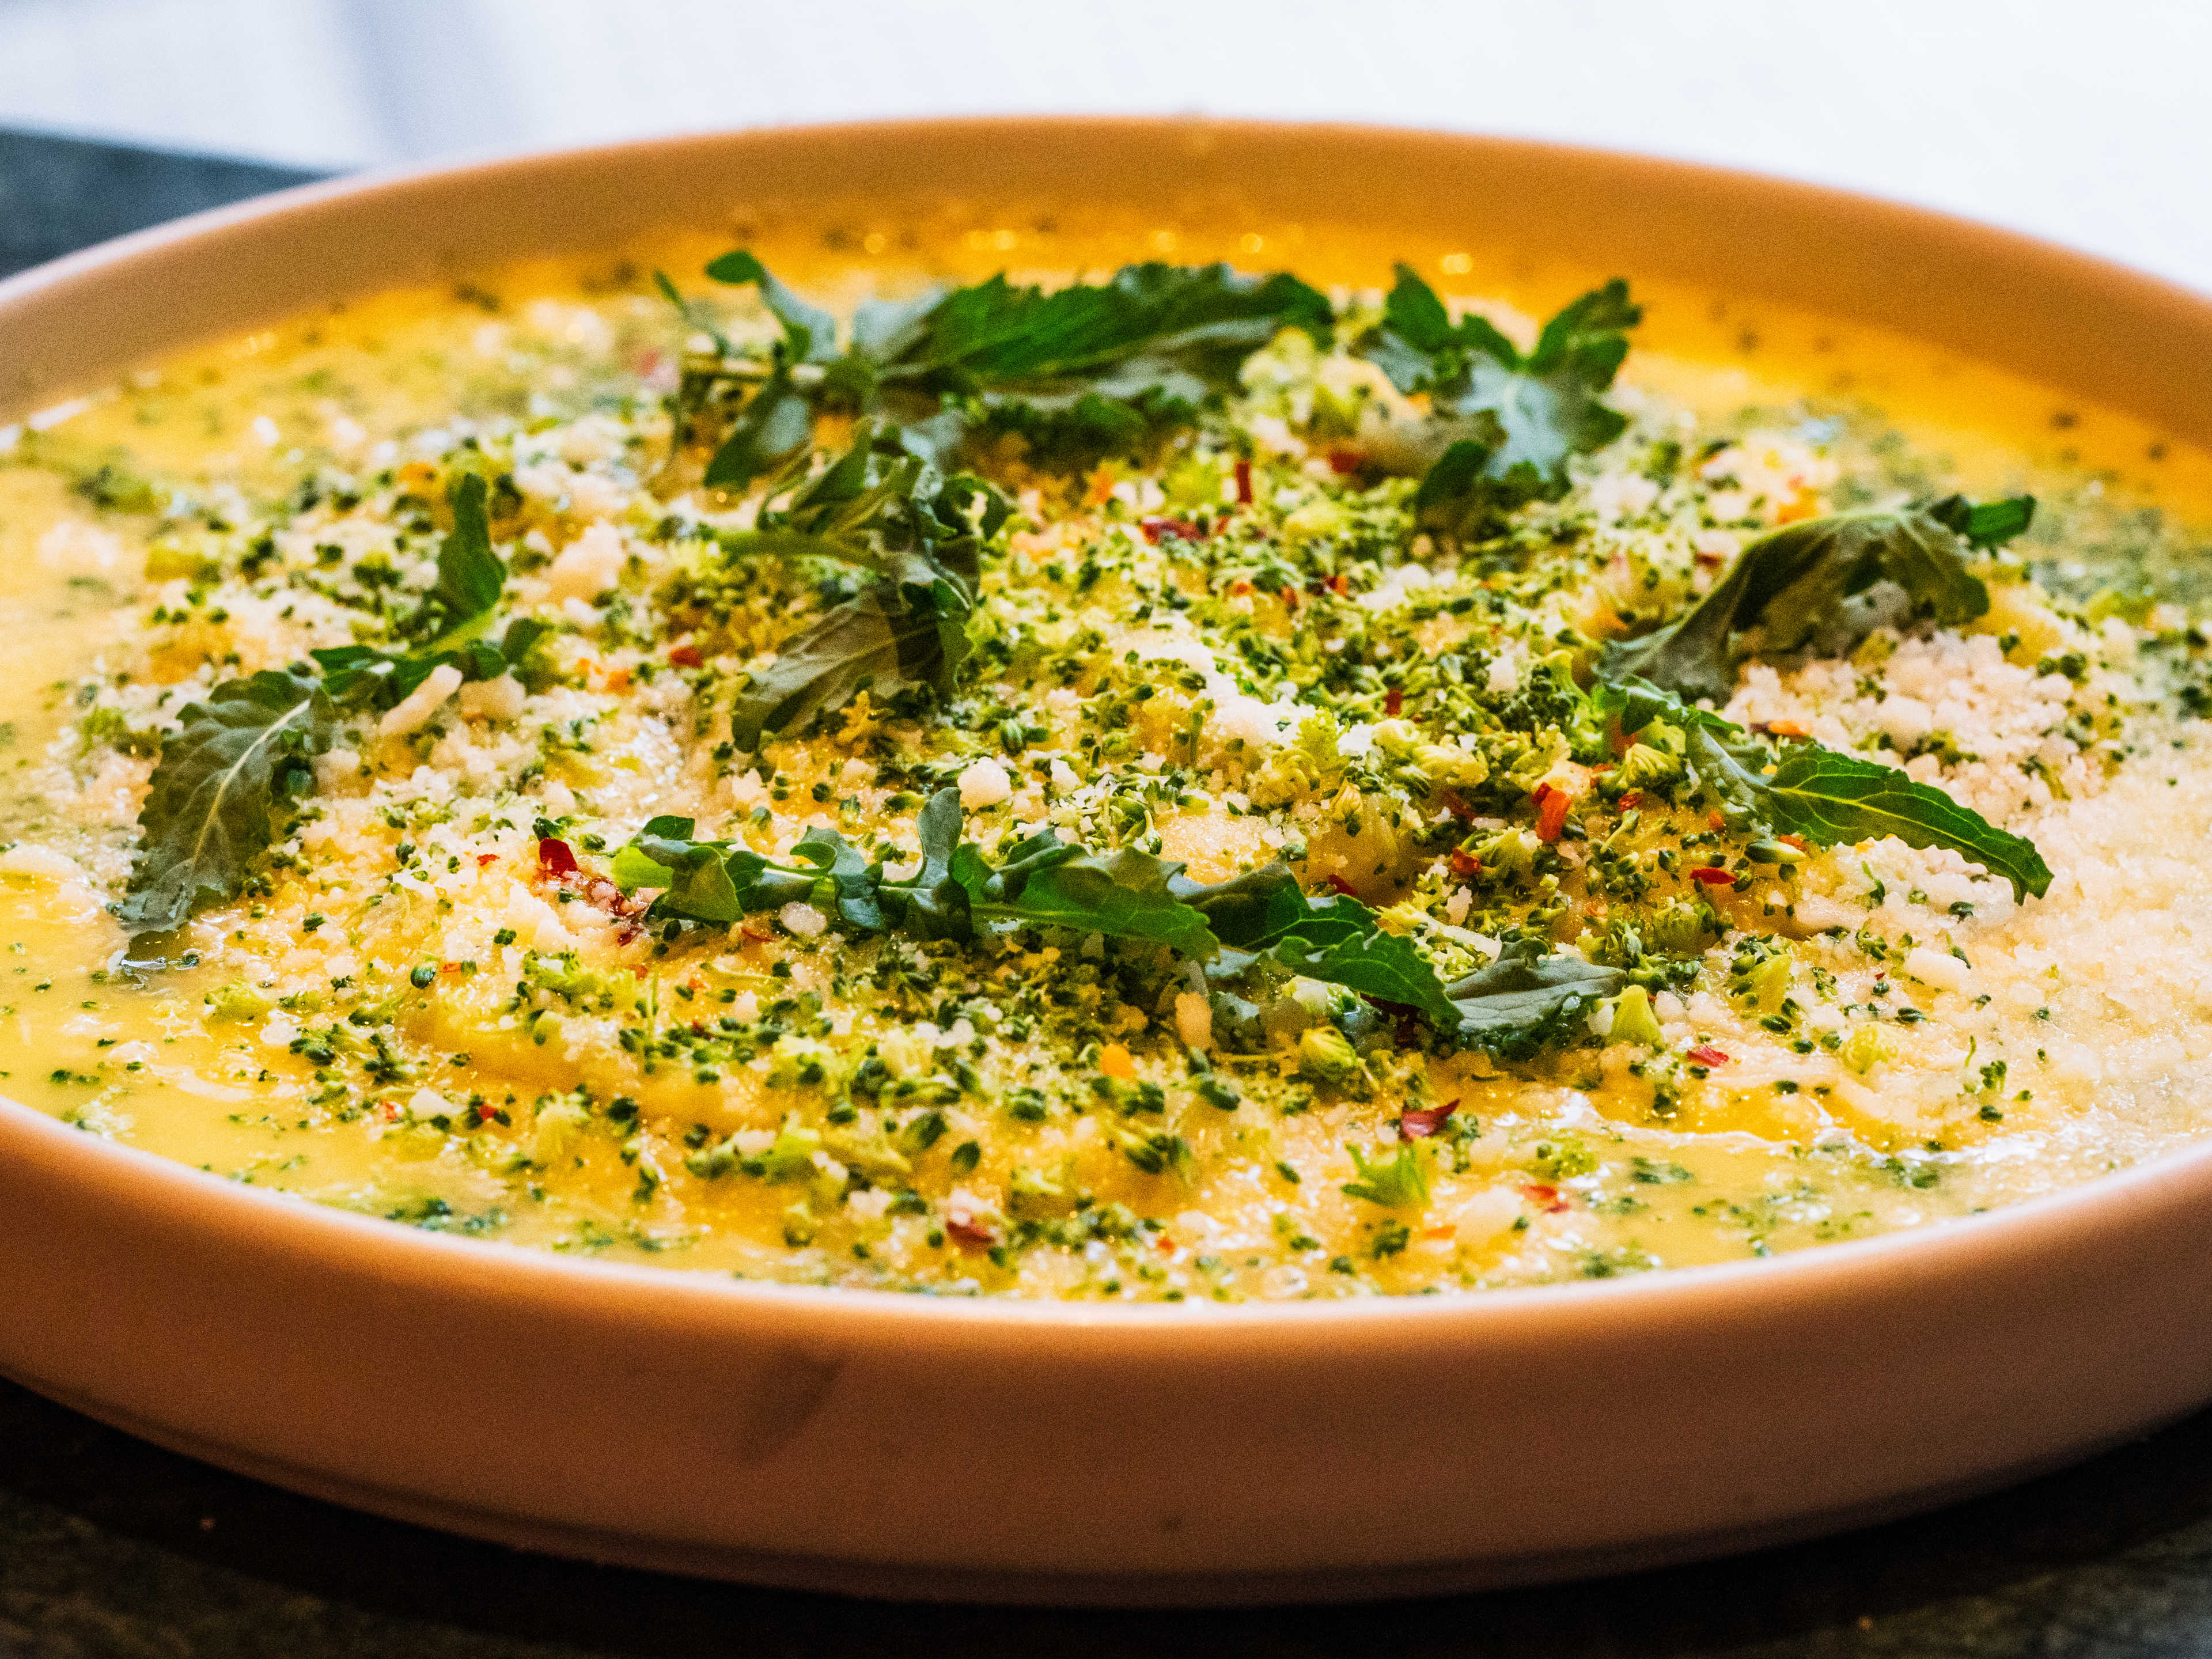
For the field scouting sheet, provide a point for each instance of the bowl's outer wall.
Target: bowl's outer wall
(717, 1423)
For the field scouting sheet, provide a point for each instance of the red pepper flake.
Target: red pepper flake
(1713, 876)
(756, 935)
(1545, 1198)
(388, 1110)
(449, 967)
(1464, 863)
(1337, 883)
(1182, 529)
(1705, 1055)
(1345, 462)
(483, 859)
(1703, 558)
(1394, 699)
(1339, 585)
(685, 656)
(965, 1228)
(1715, 821)
(1239, 588)
(1290, 598)
(1782, 728)
(1797, 842)
(1552, 811)
(1243, 483)
(553, 857)
(1630, 799)
(1416, 1122)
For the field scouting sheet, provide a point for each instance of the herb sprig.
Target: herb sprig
(1080, 372)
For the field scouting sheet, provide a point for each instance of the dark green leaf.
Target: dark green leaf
(1333, 937)
(1526, 1001)
(1791, 586)
(470, 575)
(1542, 408)
(1834, 799)
(810, 333)
(881, 509)
(1181, 330)
(871, 641)
(1830, 799)
(1123, 895)
(775, 424)
(1991, 524)
(210, 811)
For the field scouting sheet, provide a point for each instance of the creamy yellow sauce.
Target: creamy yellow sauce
(1581, 1165)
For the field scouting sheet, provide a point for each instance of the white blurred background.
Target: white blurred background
(2090, 124)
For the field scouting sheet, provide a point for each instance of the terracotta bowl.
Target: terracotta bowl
(913, 1446)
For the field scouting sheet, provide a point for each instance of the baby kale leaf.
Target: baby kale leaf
(1830, 799)
(211, 810)
(470, 574)
(1793, 587)
(1330, 937)
(1527, 1001)
(1513, 420)
(879, 509)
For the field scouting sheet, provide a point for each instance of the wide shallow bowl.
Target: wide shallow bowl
(914, 1446)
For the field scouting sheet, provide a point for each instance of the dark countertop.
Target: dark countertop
(110, 1548)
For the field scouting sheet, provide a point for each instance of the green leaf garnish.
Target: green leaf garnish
(211, 809)
(810, 334)
(470, 574)
(881, 509)
(1829, 799)
(1082, 371)
(1330, 937)
(1512, 419)
(1527, 1001)
(1791, 585)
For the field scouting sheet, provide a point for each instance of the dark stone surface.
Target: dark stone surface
(113, 1549)
(58, 194)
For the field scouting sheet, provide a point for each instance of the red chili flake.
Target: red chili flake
(1337, 883)
(1239, 588)
(1705, 1055)
(553, 857)
(1290, 598)
(1713, 876)
(1711, 558)
(1630, 799)
(1392, 700)
(1797, 842)
(1244, 484)
(1551, 811)
(1343, 462)
(1339, 585)
(483, 859)
(755, 935)
(389, 1110)
(1545, 1198)
(1182, 529)
(1418, 1121)
(968, 1231)
(685, 656)
(449, 967)
(1464, 863)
